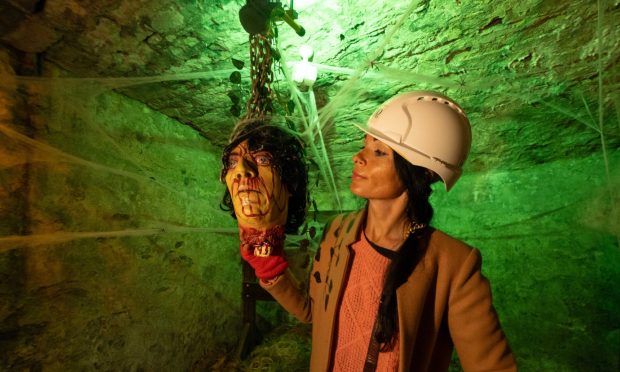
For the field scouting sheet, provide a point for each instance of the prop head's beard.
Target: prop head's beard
(259, 197)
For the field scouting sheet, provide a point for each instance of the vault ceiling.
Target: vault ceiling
(530, 74)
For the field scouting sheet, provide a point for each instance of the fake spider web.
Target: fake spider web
(67, 108)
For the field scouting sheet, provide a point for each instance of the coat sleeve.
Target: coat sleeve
(286, 289)
(473, 322)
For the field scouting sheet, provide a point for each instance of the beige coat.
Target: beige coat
(446, 301)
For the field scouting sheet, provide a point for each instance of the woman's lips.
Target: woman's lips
(356, 176)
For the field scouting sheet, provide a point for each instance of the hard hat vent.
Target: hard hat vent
(442, 100)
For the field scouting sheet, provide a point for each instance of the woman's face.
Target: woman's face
(374, 174)
(259, 197)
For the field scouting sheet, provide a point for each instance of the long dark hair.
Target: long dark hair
(418, 182)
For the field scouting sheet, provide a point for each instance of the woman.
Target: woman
(387, 291)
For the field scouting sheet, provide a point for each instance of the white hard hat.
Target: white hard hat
(427, 129)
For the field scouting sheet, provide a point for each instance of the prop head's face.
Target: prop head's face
(259, 197)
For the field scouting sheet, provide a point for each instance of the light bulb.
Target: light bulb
(304, 72)
(306, 52)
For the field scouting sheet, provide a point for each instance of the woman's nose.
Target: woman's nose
(245, 168)
(357, 158)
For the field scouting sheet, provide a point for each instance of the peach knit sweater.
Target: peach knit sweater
(358, 310)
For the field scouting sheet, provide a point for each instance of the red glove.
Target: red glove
(264, 251)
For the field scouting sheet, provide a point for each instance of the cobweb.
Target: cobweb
(61, 110)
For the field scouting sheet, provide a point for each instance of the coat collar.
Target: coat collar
(356, 224)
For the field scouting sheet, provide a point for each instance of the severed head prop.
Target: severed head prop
(265, 173)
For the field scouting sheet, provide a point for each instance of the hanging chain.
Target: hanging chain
(261, 73)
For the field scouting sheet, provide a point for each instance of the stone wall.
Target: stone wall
(549, 241)
(128, 263)
(120, 268)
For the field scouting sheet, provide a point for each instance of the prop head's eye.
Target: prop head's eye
(262, 158)
(232, 162)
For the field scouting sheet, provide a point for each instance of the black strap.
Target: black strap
(372, 356)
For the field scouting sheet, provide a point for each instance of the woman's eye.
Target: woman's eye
(262, 159)
(380, 153)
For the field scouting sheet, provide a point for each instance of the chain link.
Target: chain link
(261, 73)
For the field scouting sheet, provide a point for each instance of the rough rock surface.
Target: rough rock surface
(114, 254)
